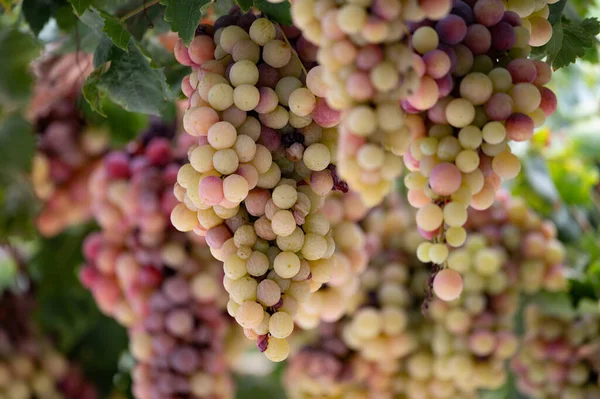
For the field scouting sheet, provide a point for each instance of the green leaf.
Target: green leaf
(92, 93)
(556, 11)
(245, 5)
(139, 24)
(552, 303)
(17, 50)
(18, 203)
(507, 391)
(17, 143)
(38, 12)
(570, 40)
(66, 18)
(129, 80)
(184, 16)
(103, 52)
(67, 312)
(81, 5)
(538, 177)
(277, 12)
(115, 30)
(269, 386)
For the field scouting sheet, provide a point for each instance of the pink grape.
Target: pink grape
(445, 85)
(248, 172)
(543, 72)
(499, 107)
(186, 87)
(549, 101)
(464, 11)
(512, 18)
(437, 63)
(445, 179)
(202, 48)
(256, 201)
(270, 138)
(503, 36)
(488, 12)
(448, 285)
(181, 54)
(452, 29)
(519, 127)
(368, 57)
(177, 290)
(117, 165)
(324, 115)
(267, 76)
(478, 39)
(216, 237)
(522, 70)
(359, 86)
(210, 190)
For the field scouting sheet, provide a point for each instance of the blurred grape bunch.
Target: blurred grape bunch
(30, 367)
(560, 356)
(386, 348)
(68, 147)
(163, 285)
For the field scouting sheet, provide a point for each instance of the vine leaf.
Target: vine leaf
(18, 204)
(129, 80)
(38, 12)
(245, 5)
(278, 12)
(15, 79)
(115, 30)
(570, 40)
(80, 5)
(184, 16)
(17, 144)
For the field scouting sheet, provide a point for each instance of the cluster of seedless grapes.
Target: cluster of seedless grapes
(164, 285)
(478, 93)
(366, 67)
(386, 348)
(559, 356)
(67, 146)
(330, 303)
(260, 170)
(30, 367)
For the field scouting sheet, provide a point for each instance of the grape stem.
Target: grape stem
(292, 48)
(138, 10)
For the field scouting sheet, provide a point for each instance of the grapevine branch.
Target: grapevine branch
(292, 48)
(138, 10)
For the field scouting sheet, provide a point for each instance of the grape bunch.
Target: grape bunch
(68, 147)
(536, 256)
(180, 347)
(30, 367)
(384, 347)
(164, 285)
(326, 367)
(260, 171)
(478, 93)
(330, 303)
(559, 356)
(476, 330)
(366, 68)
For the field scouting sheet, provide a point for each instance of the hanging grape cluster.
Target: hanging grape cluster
(162, 284)
(386, 348)
(260, 170)
(559, 356)
(30, 367)
(68, 147)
